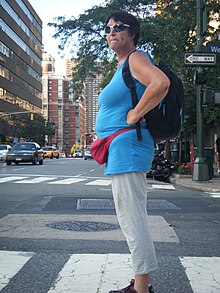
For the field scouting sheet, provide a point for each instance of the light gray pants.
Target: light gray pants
(130, 197)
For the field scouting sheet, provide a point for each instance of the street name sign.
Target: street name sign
(203, 59)
(214, 48)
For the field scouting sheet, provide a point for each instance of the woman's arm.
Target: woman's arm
(156, 81)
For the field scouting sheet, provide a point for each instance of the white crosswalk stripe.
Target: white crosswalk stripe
(102, 272)
(67, 181)
(36, 180)
(11, 178)
(203, 273)
(215, 194)
(10, 263)
(99, 182)
(163, 186)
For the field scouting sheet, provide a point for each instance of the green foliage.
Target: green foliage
(168, 35)
(31, 130)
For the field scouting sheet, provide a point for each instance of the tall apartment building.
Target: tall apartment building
(20, 61)
(59, 108)
(91, 92)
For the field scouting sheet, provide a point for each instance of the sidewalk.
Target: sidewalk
(212, 185)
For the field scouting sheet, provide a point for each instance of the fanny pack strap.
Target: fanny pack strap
(121, 131)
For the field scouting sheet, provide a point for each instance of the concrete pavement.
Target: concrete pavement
(212, 185)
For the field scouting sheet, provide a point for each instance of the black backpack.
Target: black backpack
(165, 120)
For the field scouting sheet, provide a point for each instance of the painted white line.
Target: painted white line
(11, 178)
(203, 273)
(94, 273)
(215, 194)
(10, 263)
(67, 181)
(99, 182)
(36, 180)
(163, 186)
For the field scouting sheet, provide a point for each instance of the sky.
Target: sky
(47, 10)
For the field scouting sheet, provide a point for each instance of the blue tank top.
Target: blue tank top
(126, 153)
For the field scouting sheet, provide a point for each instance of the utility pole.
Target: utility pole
(200, 172)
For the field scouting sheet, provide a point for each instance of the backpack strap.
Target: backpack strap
(131, 85)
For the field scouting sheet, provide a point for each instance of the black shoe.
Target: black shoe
(151, 289)
(130, 289)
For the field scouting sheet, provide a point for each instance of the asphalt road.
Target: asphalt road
(59, 232)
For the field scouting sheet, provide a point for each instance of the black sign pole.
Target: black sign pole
(200, 169)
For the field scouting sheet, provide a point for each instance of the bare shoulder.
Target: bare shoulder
(138, 57)
(143, 70)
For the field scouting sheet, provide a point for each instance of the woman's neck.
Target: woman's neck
(124, 54)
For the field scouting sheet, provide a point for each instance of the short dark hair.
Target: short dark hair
(127, 18)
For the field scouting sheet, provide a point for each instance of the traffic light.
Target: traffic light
(211, 96)
(200, 77)
(32, 116)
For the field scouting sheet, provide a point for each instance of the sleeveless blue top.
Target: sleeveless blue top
(126, 153)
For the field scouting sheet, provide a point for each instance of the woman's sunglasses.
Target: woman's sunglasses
(116, 27)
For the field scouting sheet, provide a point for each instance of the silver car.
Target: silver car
(4, 148)
(87, 154)
(24, 152)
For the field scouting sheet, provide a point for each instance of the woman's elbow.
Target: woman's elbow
(165, 84)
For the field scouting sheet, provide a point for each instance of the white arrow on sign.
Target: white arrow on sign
(193, 58)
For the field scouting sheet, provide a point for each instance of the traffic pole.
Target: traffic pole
(200, 169)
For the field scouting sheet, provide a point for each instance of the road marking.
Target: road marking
(215, 194)
(99, 182)
(10, 263)
(203, 273)
(104, 272)
(11, 178)
(67, 181)
(94, 273)
(163, 186)
(36, 180)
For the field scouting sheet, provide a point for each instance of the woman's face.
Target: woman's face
(119, 37)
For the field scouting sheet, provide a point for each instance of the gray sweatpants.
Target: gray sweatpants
(130, 197)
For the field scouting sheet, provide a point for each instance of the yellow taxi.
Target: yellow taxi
(51, 152)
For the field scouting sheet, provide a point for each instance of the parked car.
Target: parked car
(51, 152)
(62, 155)
(77, 154)
(87, 154)
(4, 148)
(23, 152)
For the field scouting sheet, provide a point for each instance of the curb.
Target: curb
(186, 181)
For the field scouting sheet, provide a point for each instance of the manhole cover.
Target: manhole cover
(81, 226)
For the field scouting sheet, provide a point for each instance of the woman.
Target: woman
(130, 159)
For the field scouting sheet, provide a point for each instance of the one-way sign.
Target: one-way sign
(203, 59)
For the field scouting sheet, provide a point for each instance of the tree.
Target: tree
(29, 130)
(167, 35)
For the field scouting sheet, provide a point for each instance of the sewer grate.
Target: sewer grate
(83, 226)
(108, 204)
(95, 204)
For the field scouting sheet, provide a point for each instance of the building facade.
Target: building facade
(20, 62)
(60, 109)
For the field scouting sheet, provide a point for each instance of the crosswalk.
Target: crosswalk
(98, 273)
(53, 180)
(56, 180)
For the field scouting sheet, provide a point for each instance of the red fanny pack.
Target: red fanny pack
(99, 147)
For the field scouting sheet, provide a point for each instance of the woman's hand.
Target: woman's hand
(132, 118)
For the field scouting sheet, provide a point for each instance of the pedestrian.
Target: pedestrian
(130, 159)
(217, 148)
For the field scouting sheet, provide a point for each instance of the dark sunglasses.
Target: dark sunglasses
(116, 27)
